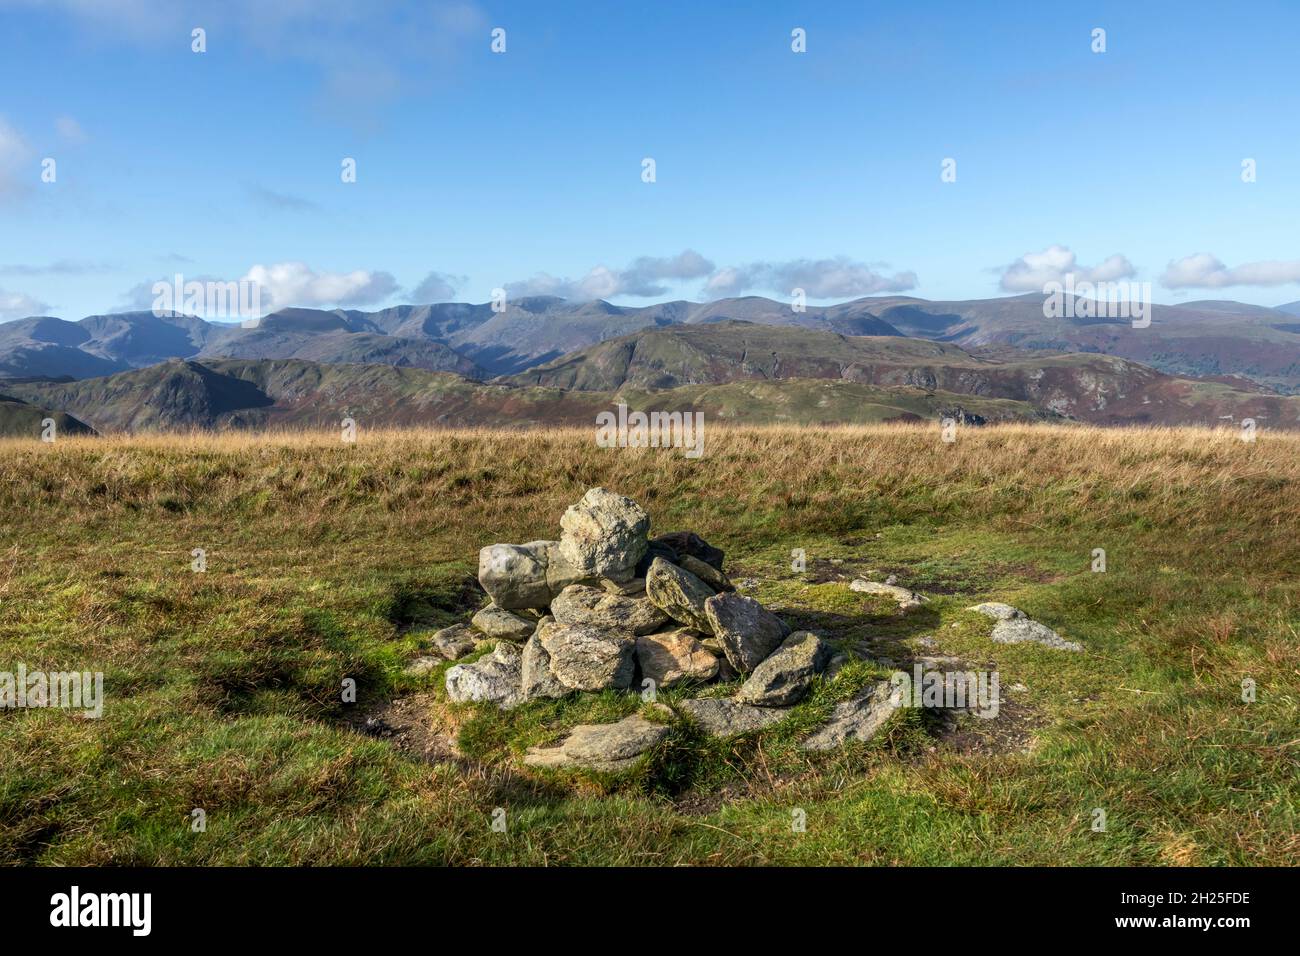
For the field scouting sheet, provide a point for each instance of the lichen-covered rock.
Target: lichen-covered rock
(604, 535)
(998, 611)
(858, 718)
(590, 658)
(679, 594)
(499, 623)
(514, 575)
(673, 657)
(581, 604)
(536, 678)
(560, 573)
(494, 678)
(453, 642)
(1013, 627)
(706, 573)
(609, 748)
(787, 674)
(634, 588)
(748, 631)
(684, 543)
(422, 665)
(905, 599)
(722, 717)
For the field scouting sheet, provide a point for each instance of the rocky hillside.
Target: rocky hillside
(222, 393)
(1087, 387)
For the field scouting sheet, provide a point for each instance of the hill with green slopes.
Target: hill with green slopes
(297, 394)
(1088, 387)
(1199, 339)
(19, 419)
(1208, 338)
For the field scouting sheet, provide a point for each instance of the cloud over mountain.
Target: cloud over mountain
(819, 278)
(285, 285)
(15, 305)
(1032, 271)
(437, 287)
(296, 283)
(1205, 271)
(645, 276)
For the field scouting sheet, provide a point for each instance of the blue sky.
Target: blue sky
(523, 170)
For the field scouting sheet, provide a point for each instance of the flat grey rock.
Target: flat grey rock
(589, 658)
(582, 604)
(494, 678)
(859, 718)
(499, 623)
(1013, 627)
(905, 599)
(997, 611)
(723, 717)
(786, 676)
(536, 679)
(748, 631)
(706, 573)
(453, 642)
(422, 665)
(514, 575)
(679, 594)
(604, 747)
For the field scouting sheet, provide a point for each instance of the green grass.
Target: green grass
(329, 562)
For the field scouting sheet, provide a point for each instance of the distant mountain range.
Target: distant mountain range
(546, 360)
(1197, 338)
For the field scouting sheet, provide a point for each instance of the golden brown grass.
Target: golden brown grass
(224, 684)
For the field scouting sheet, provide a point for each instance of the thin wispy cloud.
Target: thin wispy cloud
(645, 276)
(839, 278)
(279, 201)
(61, 267)
(15, 154)
(1205, 271)
(16, 305)
(366, 55)
(70, 130)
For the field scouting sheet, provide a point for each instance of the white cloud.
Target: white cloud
(15, 305)
(1032, 271)
(436, 287)
(1205, 271)
(286, 284)
(839, 278)
(646, 276)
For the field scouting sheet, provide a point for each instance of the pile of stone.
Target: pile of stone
(609, 607)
